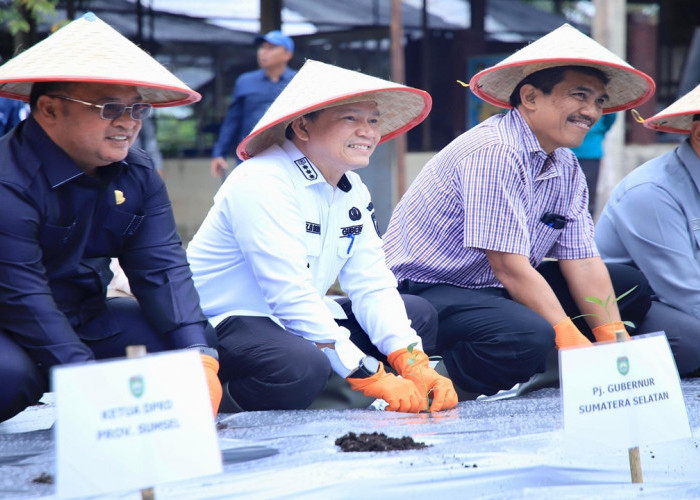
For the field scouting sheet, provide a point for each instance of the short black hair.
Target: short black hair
(546, 79)
(289, 132)
(44, 88)
(696, 117)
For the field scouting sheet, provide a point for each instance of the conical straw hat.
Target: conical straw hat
(628, 87)
(678, 117)
(89, 50)
(318, 85)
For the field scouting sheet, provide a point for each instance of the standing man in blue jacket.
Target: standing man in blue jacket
(11, 113)
(253, 93)
(74, 194)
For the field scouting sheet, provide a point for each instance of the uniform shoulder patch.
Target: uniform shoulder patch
(305, 167)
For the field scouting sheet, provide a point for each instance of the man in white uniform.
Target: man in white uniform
(288, 222)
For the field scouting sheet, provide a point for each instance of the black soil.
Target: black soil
(376, 441)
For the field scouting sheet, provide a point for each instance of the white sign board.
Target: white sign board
(133, 423)
(623, 394)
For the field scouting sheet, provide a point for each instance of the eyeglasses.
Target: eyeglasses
(113, 110)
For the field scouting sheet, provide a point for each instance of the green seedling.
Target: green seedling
(606, 305)
(411, 362)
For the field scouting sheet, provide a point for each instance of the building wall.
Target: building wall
(191, 188)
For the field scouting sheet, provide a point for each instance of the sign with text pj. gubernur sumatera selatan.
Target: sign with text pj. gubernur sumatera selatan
(623, 394)
(133, 423)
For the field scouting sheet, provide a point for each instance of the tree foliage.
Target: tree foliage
(20, 15)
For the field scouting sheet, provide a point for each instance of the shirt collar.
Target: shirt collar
(544, 165)
(306, 171)
(309, 172)
(690, 161)
(59, 168)
(62, 169)
(529, 141)
(286, 75)
(344, 184)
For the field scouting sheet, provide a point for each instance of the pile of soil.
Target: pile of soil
(376, 441)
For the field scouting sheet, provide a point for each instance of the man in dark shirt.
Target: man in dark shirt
(73, 194)
(253, 93)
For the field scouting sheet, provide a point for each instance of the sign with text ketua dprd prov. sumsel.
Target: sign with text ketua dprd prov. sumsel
(133, 423)
(623, 394)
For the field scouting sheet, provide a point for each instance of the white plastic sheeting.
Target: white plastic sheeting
(511, 448)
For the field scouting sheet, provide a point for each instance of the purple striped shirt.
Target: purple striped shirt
(488, 190)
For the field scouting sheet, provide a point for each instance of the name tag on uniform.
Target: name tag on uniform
(354, 230)
(313, 228)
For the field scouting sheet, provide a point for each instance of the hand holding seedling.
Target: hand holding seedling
(414, 365)
(606, 331)
(401, 394)
(567, 335)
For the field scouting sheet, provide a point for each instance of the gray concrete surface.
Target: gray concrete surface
(504, 449)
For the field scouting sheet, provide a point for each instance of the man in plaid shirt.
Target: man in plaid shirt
(473, 231)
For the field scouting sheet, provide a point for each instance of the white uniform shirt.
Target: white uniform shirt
(275, 241)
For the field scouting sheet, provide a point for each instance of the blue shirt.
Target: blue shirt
(253, 93)
(652, 221)
(58, 230)
(12, 112)
(488, 190)
(592, 146)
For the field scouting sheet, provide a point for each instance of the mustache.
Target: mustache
(580, 118)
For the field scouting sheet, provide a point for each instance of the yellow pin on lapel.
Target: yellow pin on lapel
(119, 197)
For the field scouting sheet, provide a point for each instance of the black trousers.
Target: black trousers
(23, 383)
(591, 169)
(269, 368)
(682, 331)
(490, 342)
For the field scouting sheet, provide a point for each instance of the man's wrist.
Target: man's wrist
(344, 355)
(368, 367)
(206, 350)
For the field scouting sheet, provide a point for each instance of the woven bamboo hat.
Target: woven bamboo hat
(628, 87)
(678, 117)
(89, 50)
(318, 85)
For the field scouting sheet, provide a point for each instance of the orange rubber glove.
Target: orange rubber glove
(401, 394)
(607, 331)
(567, 335)
(211, 369)
(426, 378)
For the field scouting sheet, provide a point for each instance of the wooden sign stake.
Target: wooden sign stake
(139, 351)
(635, 461)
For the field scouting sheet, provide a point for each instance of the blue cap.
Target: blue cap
(276, 37)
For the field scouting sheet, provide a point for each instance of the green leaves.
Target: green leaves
(605, 304)
(411, 361)
(596, 300)
(410, 351)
